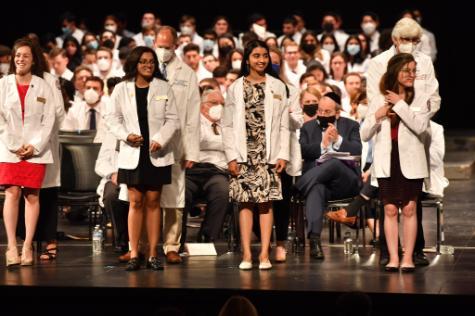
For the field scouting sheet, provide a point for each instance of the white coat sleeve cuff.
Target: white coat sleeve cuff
(337, 144)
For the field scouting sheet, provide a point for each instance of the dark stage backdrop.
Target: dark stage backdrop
(450, 21)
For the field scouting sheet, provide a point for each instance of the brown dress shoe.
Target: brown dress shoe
(173, 257)
(126, 257)
(340, 217)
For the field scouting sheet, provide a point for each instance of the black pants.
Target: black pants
(282, 208)
(420, 241)
(48, 217)
(211, 186)
(118, 212)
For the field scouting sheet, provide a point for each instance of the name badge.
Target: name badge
(161, 97)
(278, 97)
(41, 99)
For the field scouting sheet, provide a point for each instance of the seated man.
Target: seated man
(208, 178)
(333, 178)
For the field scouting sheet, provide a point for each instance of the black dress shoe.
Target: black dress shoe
(384, 259)
(133, 264)
(420, 259)
(391, 269)
(408, 269)
(154, 264)
(316, 250)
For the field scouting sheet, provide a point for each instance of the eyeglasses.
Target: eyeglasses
(415, 40)
(147, 62)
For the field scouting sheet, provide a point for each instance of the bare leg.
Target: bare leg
(10, 213)
(391, 232)
(409, 233)
(136, 213)
(265, 220)
(152, 206)
(245, 225)
(32, 211)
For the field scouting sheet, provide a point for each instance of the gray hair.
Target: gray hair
(406, 27)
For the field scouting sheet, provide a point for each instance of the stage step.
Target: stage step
(460, 140)
(459, 165)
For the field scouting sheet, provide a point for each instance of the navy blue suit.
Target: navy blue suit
(331, 180)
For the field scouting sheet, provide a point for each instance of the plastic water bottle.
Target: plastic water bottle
(348, 244)
(97, 240)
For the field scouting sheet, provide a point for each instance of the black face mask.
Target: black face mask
(108, 43)
(323, 121)
(309, 48)
(328, 27)
(310, 109)
(224, 50)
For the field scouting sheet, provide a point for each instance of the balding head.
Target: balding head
(166, 37)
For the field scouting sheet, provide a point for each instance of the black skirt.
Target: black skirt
(397, 189)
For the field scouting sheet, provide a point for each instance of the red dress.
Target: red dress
(23, 173)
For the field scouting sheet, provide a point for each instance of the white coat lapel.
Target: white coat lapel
(14, 95)
(269, 110)
(133, 105)
(172, 70)
(240, 119)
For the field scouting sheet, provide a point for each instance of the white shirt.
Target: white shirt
(293, 75)
(340, 37)
(297, 37)
(374, 41)
(67, 74)
(211, 145)
(79, 118)
(77, 34)
(202, 72)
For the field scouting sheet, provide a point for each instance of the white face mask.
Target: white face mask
(146, 24)
(236, 64)
(91, 96)
(103, 64)
(164, 55)
(329, 47)
(111, 27)
(215, 112)
(407, 48)
(259, 30)
(4, 68)
(186, 30)
(368, 28)
(362, 109)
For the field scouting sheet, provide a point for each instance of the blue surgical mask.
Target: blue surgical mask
(149, 40)
(208, 44)
(276, 68)
(93, 45)
(66, 30)
(353, 49)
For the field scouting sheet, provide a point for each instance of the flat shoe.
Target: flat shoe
(408, 269)
(245, 265)
(265, 265)
(391, 269)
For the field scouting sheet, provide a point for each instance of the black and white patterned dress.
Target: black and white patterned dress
(258, 182)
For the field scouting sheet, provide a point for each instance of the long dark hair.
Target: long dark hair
(390, 82)
(130, 67)
(245, 71)
(38, 60)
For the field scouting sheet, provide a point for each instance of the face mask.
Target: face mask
(91, 96)
(407, 48)
(309, 48)
(149, 40)
(276, 68)
(368, 28)
(93, 45)
(146, 24)
(329, 47)
(216, 112)
(208, 44)
(186, 30)
(164, 55)
(362, 109)
(236, 64)
(224, 50)
(103, 64)
(328, 27)
(108, 43)
(353, 49)
(4, 67)
(259, 30)
(65, 30)
(323, 121)
(310, 109)
(111, 27)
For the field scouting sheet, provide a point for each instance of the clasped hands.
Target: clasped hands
(136, 141)
(25, 152)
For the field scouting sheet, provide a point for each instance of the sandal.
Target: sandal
(49, 254)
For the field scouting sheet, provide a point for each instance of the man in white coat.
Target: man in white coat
(186, 144)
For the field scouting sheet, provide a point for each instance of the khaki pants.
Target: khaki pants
(172, 221)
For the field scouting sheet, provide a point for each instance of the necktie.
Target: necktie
(163, 70)
(92, 119)
(215, 128)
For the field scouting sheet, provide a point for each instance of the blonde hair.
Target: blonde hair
(312, 91)
(406, 27)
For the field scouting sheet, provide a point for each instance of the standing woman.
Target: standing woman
(398, 118)
(256, 144)
(144, 118)
(27, 115)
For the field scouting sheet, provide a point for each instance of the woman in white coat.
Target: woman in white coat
(27, 115)
(143, 117)
(256, 144)
(398, 118)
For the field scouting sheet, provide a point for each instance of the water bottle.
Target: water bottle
(348, 244)
(97, 240)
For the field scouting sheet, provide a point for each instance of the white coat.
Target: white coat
(435, 143)
(414, 122)
(185, 143)
(162, 121)
(294, 166)
(53, 171)
(38, 123)
(426, 82)
(276, 109)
